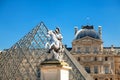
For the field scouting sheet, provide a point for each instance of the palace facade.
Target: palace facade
(102, 63)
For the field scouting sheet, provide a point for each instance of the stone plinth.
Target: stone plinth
(54, 70)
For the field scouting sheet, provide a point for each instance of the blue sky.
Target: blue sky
(18, 17)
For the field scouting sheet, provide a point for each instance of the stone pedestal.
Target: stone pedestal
(54, 70)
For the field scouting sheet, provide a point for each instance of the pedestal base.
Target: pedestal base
(54, 70)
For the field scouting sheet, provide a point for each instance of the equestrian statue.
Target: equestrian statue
(55, 46)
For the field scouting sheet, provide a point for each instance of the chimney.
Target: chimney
(76, 29)
(112, 48)
(100, 31)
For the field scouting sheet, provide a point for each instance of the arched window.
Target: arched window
(96, 79)
(106, 79)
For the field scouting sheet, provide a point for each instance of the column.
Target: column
(102, 69)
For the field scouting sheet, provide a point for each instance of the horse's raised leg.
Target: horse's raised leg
(47, 45)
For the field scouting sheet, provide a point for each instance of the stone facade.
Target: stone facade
(117, 67)
(102, 63)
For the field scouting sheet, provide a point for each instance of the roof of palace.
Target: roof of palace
(87, 31)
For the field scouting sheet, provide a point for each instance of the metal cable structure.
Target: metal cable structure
(22, 60)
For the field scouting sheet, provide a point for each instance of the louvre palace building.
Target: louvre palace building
(87, 57)
(102, 63)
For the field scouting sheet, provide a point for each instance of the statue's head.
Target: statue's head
(57, 30)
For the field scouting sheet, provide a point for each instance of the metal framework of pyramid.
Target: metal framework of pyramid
(22, 60)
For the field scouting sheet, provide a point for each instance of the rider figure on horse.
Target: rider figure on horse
(58, 35)
(56, 40)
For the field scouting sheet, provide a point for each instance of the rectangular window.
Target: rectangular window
(86, 49)
(78, 49)
(106, 58)
(95, 69)
(78, 59)
(87, 68)
(95, 50)
(106, 69)
(95, 58)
